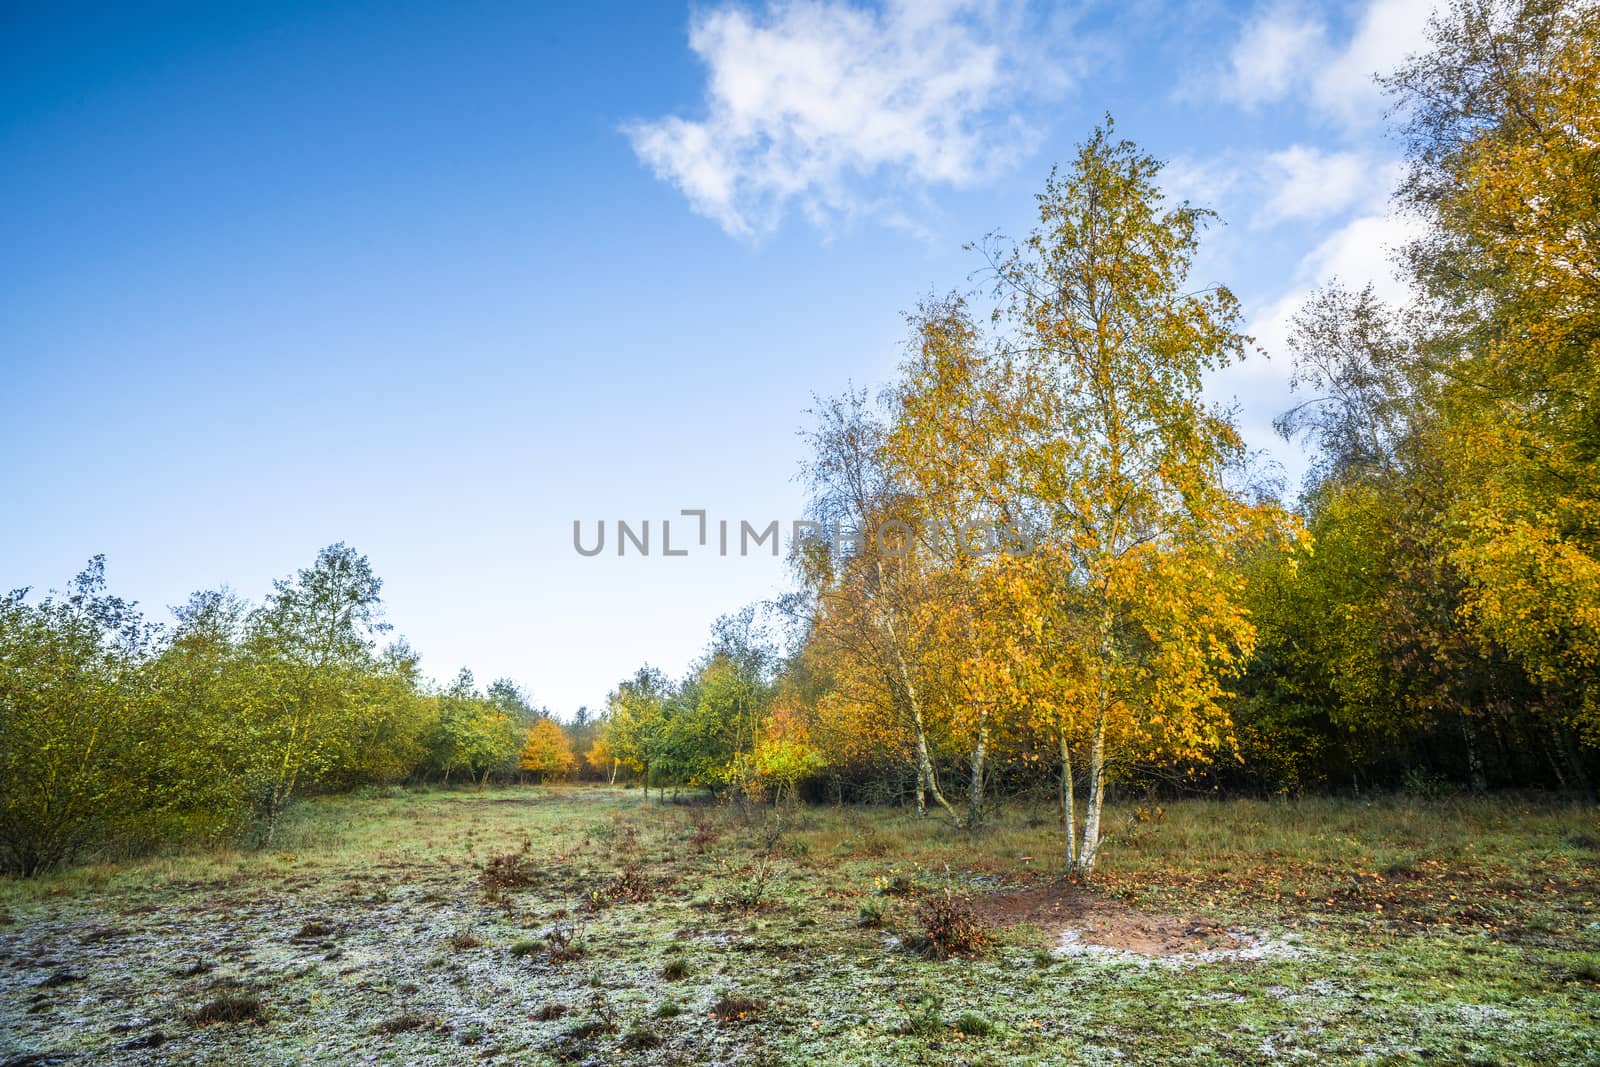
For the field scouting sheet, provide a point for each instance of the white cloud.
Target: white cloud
(1308, 183)
(808, 102)
(1387, 32)
(1202, 182)
(1271, 55)
(1300, 183)
(1284, 52)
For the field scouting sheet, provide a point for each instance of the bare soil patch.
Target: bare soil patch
(1056, 907)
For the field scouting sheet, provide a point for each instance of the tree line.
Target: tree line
(116, 731)
(1425, 614)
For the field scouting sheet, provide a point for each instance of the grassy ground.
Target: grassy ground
(579, 925)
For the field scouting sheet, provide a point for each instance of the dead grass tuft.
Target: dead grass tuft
(60, 978)
(462, 940)
(510, 870)
(737, 1009)
(407, 1021)
(228, 1008)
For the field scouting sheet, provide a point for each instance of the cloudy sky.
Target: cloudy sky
(438, 280)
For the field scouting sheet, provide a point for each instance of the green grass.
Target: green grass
(1449, 931)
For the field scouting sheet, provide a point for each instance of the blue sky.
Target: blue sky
(437, 280)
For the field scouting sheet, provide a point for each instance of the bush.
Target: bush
(228, 1008)
(562, 943)
(630, 885)
(973, 1025)
(705, 835)
(924, 1014)
(950, 928)
(510, 870)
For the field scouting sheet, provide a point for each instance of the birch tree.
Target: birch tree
(1124, 466)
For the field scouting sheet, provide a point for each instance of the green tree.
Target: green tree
(310, 647)
(636, 715)
(473, 734)
(75, 729)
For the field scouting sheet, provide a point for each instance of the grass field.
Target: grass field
(542, 925)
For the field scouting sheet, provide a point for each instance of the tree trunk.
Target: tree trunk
(1069, 803)
(1475, 776)
(1555, 766)
(1097, 795)
(975, 792)
(929, 781)
(908, 687)
(924, 762)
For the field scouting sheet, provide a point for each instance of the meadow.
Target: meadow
(584, 924)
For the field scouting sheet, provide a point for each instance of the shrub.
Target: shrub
(562, 943)
(973, 1025)
(924, 1015)
(950, 927)
(510, 870)
(750, 892)
(871, 914)
(630, 885)
(705, 835)
(228, 1008)
(899, 885)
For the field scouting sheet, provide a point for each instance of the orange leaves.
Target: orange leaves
(547, 751)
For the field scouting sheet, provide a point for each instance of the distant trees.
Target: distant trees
(472, 734)
(706, 731)
(546, 751)
(635, 713)
(117, 731)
